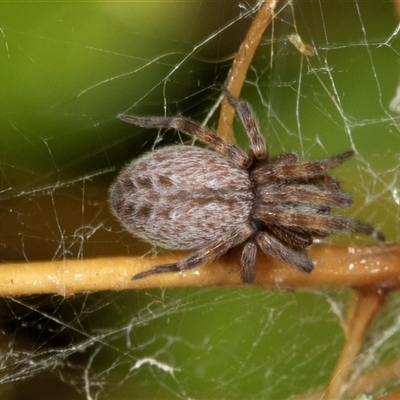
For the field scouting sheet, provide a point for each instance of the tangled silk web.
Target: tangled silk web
(67, 71)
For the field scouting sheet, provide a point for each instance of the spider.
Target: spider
(185, 197)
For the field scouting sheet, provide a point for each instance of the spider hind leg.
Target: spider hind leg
(205, 255)
(193, 129)
(160, 269)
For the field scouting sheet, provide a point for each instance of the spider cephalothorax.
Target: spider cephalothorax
(185, 197)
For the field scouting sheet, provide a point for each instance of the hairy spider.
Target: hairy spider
(185, 197)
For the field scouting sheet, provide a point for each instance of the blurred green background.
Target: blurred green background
(67, 69)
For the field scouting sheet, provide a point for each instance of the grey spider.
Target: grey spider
(185, 197)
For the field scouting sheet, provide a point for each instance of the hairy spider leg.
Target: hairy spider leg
(248, 261)
(303, 170)
(249, 121)
(305, 194)
(294, 257)
(205, 255)
(284, 158)
(307, 218)
(194, 130)
(328, 181)
(295, 237)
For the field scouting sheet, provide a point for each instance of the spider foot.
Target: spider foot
(366, 229)
(160, 269)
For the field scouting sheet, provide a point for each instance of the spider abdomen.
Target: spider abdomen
(182, 197)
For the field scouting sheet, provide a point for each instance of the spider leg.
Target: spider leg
(308, 219)
(205, 255)
(296, 258)
(194, 130)
(302, 170)
(284, 158)
(248, 261)
(305, 194)
(294, 237)
(326, 180)
(249, 121)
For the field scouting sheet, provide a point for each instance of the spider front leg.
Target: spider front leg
(194, 130)
(294, 257)
(312, 195)
(302, 170)
(204, 255)
(311, 220)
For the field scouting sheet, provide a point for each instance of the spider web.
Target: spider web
(67, 70)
